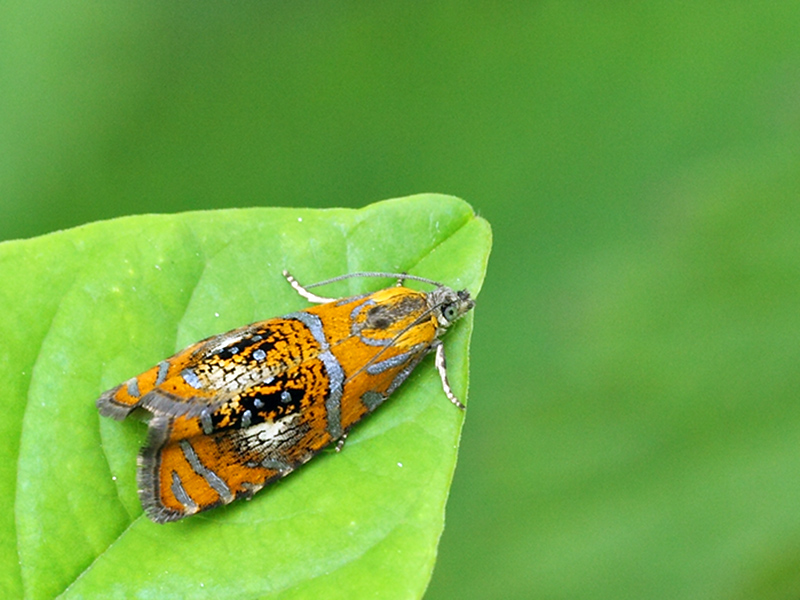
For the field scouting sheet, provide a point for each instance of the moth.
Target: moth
(236, 411)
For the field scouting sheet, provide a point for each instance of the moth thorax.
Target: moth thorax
(393, 312)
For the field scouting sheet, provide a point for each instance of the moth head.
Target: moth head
(448, 305)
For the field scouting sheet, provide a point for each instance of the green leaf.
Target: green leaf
(87, 308)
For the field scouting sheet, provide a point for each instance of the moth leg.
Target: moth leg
(310, 296)
(340, 442)
(441, 366)
(401, 280)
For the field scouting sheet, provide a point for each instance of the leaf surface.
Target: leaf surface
(87, 308)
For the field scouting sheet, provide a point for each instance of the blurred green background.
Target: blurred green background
(634, 425)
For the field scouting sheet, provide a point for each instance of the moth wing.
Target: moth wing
(192, 464)
(180, 477)
(203, 376)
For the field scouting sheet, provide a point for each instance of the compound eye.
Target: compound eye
(450, 312)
